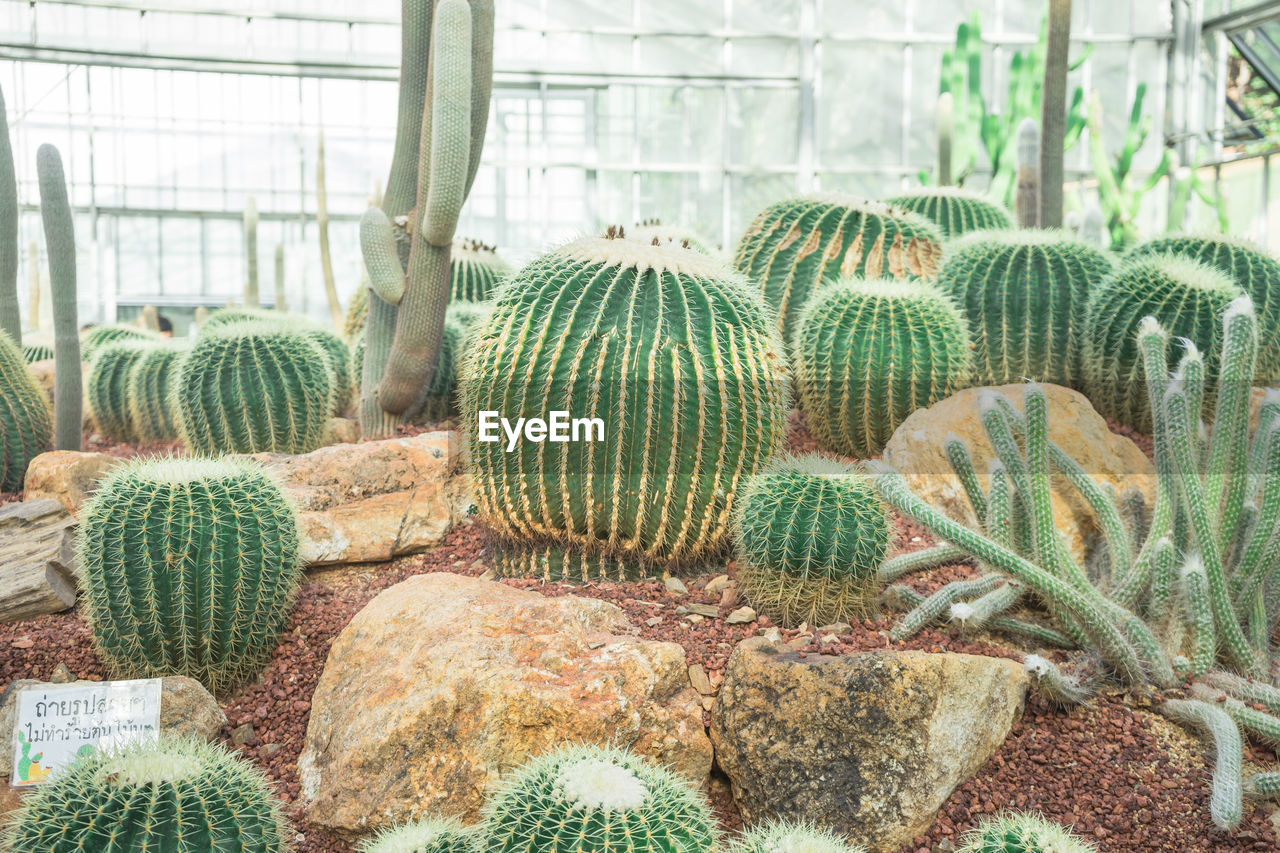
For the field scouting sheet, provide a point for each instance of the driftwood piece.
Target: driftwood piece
(37, 559)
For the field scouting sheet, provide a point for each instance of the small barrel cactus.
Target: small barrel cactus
(430, 835)
(108, 386)
(96, 337)
(869, 353)
(1025, 294)
(26, 424)
(1022, 833)
(250, 388)
(476, 270)
(189, 567)
(811, 534)
(179, 795)
(148, 392)
(1187, 297)
(670, 385)
(617, 800)
(37, 352)
(794, 246)
(780, 836)
(357, 312)
(955, 211)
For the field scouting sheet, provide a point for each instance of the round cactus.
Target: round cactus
(617, 800)
(108, 386)
(26, 422)
(32, 353)
(467, 314)
(189, 568)
(955, 211)
(250, 388)
(476, 270)
(1252, 269)
(1022, 833)
(671, 380)
(431, 835)
(1188, 299)
(791, 837)
(869, 353)
(148, 389)
(98, 336)
(811, 534)
(178, 795)
(1025, 294)
(794, 246)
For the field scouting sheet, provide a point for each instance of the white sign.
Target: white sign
(55, 725)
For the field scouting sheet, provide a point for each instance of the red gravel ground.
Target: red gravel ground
(1112, 769)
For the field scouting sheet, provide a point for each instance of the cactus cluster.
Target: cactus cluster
(26, 424)
(189, 567)
(1025, 294)
(178, 795)
(869, 353)
(955, 211)
(1022, 833)
(429, 835)
(811, 534)
(674, 375)
(149, 392)
(249, 388)
(108, 390)
(97, 337)
(1187, 297)
(793, 246)
(579, 798)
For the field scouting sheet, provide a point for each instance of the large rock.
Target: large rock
(917, 451)
(444, 683)
(67, 476)
(37, 559)
(870, 745)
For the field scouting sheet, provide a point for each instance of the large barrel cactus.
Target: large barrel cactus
(149, 392)
(794, 246)
(869, 353)
(617, 800)
(1252, 269)
(108, 386)
(1025, 294)
(679, 364)
(1188, 299)
(955, 211)
(182, 796)
(189, 567)
(97, 337)
(1022, 833)
(26, 424)
(250, 388)
(811, 533)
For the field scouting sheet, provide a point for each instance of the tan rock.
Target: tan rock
(917, 451)
(870, 745)
(343, 431)
(67, 476)
(444, 683)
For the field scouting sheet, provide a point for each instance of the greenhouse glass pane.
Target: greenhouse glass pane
(774, 57)
(681, 125)
(763, 126)
(750, 194)
(768, 16)
(679, 55)
(867, 127)
(689, 199)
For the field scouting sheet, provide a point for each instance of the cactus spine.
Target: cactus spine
(189, 567)
(1053, 114)
(793, 246)
(251, 299)
(673, 354)
(1022, 833)
(618, 800)
(26, 426)
(430, 835)
(109, 387)
(955, 211)
(181, 795)
(149, 392)
(60, 238)
(1025, 294)
(811, 534)
(1028, 174)
(869, 353)
(99, 337)
(10, 313)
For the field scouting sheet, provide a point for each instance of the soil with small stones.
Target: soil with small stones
(1110, 769)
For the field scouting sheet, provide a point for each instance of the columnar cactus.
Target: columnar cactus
(680, 367)
(149, 392)
(1025, 294)
(1188, 299)
(476, 270)
(953, 210)
(811, 534)
(430, 835)
(247, 388)
(1053, 111)
(10, 314)
(617, 800)
(98, 337)
(1028, 174)
(189, 567)
(26, 424)
(869, 353)
(1022, 833)
(794, 246)
(251, 299)
(180, 795)
(789, 837)
(109, 387)
(60, 238)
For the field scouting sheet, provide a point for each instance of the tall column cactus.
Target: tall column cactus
(60, 238)
(1053, 113)
(282, 298)
(1028, 197)
(446, 76)
(945, 127)
(251, 253)
(10, 316)
(322, 222)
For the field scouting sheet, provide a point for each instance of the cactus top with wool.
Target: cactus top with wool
(1022, 833)
(678, 234)
(795, 245)
(790, 837)
(476, 270)
(429, 835)
(954, 210)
